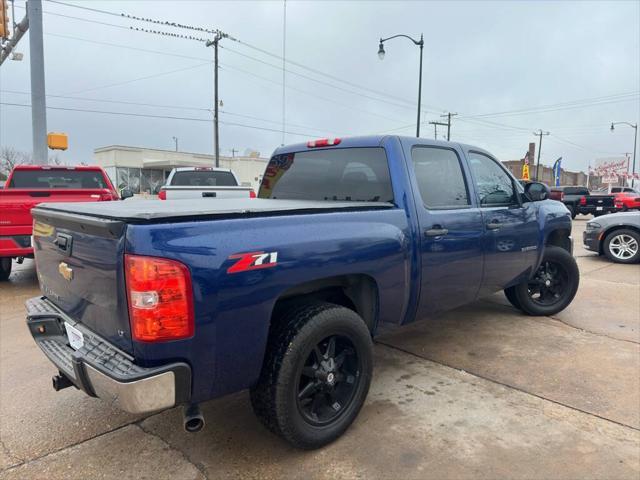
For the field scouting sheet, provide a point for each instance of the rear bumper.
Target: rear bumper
(101, 370)
(15, 246)
(592, 209)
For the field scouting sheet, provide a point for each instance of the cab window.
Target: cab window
(439, 177)
(494, 185)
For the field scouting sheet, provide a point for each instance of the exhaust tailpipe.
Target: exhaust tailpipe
(192, 418)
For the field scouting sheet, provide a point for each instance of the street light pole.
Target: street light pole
(419, 43)
(38, 99)
(175, 139)
(635, 141)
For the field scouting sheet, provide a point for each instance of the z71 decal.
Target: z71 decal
(253, 261)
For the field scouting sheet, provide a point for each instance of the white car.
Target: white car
(203, 182)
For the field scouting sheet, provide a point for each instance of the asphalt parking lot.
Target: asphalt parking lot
(481, 392)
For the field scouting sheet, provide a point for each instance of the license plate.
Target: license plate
(598, 208)
(76, 339)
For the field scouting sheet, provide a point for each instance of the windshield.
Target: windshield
(203, 178)
(346, 174)
(79, 179)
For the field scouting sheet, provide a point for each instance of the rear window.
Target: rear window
(203, 178)
(58, 179)
(347, 174)
(576, 191)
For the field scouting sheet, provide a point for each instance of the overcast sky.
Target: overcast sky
(581, 59)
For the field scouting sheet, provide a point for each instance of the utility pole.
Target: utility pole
(233, 152)
(435, 128)
(540, 134)
(219, 36)
(448, 117)
(38, 99)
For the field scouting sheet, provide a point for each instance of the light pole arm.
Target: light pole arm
(626, 123)
(417, 42)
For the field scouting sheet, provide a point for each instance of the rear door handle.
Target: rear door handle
(208, 194)
(494, 225)
(436, 232)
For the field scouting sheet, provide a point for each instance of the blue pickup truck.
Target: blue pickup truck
(151, 304)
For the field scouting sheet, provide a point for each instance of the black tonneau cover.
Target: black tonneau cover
(152, 211)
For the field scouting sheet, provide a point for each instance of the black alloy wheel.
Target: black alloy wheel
(552, 288)
(328, 380)
(549, 284)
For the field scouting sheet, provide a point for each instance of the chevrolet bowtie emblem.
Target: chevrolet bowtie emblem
(66, 271)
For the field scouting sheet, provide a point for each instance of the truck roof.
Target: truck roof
(369, 141)
(57, 167)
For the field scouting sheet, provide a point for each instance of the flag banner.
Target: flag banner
(557, 171)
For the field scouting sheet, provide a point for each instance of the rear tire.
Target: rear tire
(572, 211)
(622, 246)
(5, 268)
(316, 374)
(553, 286)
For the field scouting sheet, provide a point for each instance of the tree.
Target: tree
(10, 157)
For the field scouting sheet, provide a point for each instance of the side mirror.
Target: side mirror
(126, 193)
(537, 191)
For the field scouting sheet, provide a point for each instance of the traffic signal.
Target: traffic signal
(4, 19)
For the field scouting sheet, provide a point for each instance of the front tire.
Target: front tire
(510, 293)
(622, 246)
(316, 374)
(5, 268)
(553, 286)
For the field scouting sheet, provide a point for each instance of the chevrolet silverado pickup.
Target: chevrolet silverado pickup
(151, 304)
(203, 182)
(29, 185)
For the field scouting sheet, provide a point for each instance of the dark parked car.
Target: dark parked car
(616, 236)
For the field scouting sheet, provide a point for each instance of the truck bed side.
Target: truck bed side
(233, 310)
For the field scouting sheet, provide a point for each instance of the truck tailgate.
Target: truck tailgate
(79, 264)
(187, 192)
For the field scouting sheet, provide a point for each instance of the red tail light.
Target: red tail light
(252, 194)
(561, 196)
(160, 299)
(583, 200)
(162, 194)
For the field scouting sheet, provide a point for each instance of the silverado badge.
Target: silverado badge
(66, 271)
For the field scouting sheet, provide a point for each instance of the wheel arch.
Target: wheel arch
(560, 237)
(357, 292)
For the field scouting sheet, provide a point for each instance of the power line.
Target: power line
(146, 77)
(177, 107)
(265, 52)
(562, 106)
(166, 117)
(127, 47)
(312, 94)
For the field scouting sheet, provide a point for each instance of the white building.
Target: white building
(144, 170)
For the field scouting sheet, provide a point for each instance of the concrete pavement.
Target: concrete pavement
(481, 392)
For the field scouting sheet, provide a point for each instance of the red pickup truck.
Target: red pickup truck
(29, 185)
